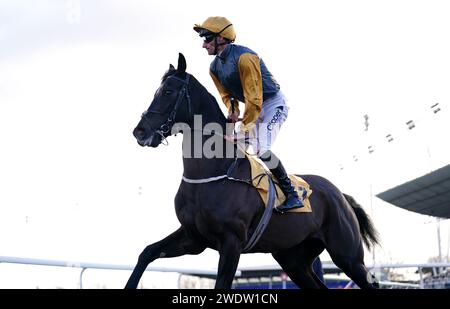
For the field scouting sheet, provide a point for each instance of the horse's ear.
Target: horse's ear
(171, 67)
(181, 63)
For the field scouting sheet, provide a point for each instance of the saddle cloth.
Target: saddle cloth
(262, 185)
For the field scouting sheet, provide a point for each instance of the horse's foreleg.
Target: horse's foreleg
(230, 253)
(176, 244)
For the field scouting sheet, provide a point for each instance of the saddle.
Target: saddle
(268, 189)
(259, 179)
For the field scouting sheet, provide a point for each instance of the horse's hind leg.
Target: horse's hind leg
(176, 244)
(355, 269)
(297, 263)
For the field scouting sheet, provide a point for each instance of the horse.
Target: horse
(222, 213)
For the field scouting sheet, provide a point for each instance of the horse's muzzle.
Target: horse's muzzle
(142, 140)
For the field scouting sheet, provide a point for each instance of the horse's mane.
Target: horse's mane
(210, 99)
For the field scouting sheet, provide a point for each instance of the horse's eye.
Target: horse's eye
(167, 92)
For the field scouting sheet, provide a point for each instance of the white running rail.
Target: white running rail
(84, 266)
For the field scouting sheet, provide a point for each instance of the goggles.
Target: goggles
(208, 38)
(207, 35)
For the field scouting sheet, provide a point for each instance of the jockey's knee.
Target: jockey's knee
(266, 156)
(270, 159)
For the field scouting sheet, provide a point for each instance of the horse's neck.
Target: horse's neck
(206, 105)
(205, 152)
(206, 155)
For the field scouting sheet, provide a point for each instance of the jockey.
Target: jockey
(239, 73)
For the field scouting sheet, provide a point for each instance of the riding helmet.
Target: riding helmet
(216, 25)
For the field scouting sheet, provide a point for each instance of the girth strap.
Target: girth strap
(264, 219)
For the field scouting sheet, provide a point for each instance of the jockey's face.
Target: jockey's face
(211, 45)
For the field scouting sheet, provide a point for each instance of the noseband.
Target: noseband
(167, 125)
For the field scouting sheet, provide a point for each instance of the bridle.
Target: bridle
(167, 125)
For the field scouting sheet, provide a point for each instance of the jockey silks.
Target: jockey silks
(237, 66)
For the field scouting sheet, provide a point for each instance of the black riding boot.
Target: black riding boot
(292, 199)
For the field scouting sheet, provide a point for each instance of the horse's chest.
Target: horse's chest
(201, 216)
(211, 211)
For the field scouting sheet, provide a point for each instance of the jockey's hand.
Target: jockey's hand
(236, 137)
(233, 117)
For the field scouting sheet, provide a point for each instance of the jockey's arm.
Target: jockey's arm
(224, 94)
(251, 81)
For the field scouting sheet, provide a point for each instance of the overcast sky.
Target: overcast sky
(76, 75)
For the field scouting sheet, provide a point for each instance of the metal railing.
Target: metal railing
(420, 267)
(84, 266)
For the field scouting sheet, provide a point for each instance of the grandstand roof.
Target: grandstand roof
(428, 194)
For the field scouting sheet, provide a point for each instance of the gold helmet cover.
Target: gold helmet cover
(216, 25)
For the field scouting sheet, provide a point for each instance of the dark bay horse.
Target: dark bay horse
(222, 213)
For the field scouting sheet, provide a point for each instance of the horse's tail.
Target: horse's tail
(368, 232)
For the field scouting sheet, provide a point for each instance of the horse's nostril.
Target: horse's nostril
(138, 132)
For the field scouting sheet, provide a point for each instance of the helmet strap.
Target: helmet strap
(224, 28)
(216, 44)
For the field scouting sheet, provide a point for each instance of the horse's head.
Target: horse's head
(170, 105)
